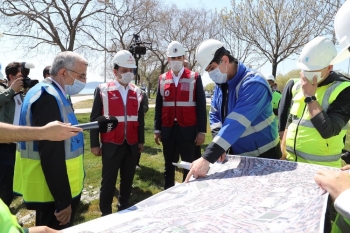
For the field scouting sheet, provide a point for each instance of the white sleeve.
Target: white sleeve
(342, 204)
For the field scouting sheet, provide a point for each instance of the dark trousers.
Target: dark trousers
(7, 164)
(138, 159)
(124, 160)
(46, 217)
(173, 145)
(197, 153)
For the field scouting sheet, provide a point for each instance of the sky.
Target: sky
(7, 56)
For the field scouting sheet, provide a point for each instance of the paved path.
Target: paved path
(76, 99)
(79, 98)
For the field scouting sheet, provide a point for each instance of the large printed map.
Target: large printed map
(244, 194)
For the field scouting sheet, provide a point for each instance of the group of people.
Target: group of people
(309, 125)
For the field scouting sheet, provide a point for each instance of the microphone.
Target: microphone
(105, 124)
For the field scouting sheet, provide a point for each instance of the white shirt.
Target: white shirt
(59, 86)
(122, 90)
(177, 78)
(342, 205)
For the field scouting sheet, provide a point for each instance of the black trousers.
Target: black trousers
(7, 166)
(172, 146)
(124, 160)
(45, 215)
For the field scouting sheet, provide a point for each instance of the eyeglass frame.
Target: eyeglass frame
(82, 75)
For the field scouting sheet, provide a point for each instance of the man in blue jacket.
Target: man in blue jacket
(241, 116)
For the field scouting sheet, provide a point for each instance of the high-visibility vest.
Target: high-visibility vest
(303, 142)
(276, 97)
(127, 115)
(179, 102)
(8, 222)
(29, 180)
(341, 225)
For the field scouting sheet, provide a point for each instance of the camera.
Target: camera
(137, 47)
(25, 70)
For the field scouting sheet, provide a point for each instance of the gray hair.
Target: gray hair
(67, 60)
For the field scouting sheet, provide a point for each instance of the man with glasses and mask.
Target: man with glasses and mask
(241, 117)
(50, 175)
(121, 146)
(180, 121)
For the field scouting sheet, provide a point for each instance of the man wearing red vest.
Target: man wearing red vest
(180, 113)
(121, 146)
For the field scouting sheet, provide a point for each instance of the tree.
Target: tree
(279, 28)
(282, 80)
(59, 23)
(210, 87)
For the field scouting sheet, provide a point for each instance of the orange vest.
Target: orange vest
(179, 102)
(127, 115)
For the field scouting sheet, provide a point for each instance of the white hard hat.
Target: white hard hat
(175, 49)
(2, 76)
(125, 59)
(317, 54)
(342, 32)
(269, 77)
(205, 52)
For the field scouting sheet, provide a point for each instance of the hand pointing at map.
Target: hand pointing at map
(199, 168)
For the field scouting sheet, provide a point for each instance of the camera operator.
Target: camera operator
(10, 106)
(27, 82)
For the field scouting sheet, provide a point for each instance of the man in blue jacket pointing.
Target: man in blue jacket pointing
(241, 116)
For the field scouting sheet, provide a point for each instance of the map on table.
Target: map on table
(245, 194)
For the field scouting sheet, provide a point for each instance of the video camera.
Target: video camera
(137, 46)
(25, 70)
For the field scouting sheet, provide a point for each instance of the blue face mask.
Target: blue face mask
(75, 88)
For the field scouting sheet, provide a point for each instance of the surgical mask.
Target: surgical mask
(176, 65)
(127, 77)
(75, 88)
(310, 75)
(217, 76)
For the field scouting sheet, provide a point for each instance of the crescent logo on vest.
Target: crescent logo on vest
(114, 97)
(166, 93)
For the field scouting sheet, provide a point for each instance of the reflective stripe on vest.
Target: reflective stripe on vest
(29, 179)
(127, 114)
(303, 142)
(311, 157)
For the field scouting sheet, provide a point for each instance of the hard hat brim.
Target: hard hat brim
(342, 55)
(308, 68)
(202, 69)
(128, 66)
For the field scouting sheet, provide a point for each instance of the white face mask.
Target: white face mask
(176, 65)
(217, 76)
(310, 75)
(75, 88)
(127, 77)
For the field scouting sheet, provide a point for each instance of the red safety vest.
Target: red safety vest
(179, 102)
(127, 115)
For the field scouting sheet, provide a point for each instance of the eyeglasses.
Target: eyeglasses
(82, 75)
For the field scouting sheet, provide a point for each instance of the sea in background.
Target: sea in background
(89, 88)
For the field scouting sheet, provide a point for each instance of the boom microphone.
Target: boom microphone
(105, 124)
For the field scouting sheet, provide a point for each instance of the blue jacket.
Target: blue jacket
(250, 128)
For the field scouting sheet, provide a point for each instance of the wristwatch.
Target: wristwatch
(309, 99)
